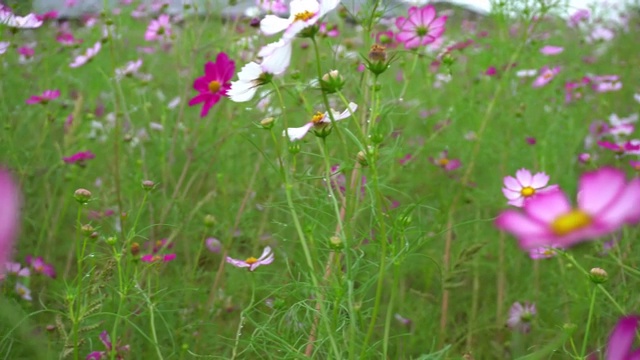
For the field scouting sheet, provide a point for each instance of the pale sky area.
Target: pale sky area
(485, 5)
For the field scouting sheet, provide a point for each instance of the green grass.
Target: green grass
(391, 260)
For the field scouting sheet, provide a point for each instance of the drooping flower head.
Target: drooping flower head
(524, 186)
(252, 263)
(319, 122)
(421, 27)
(520, 316)
(620, 345)
(89, 54)
(214, 84)
(303, 14)
(9, 217)
(606, 202)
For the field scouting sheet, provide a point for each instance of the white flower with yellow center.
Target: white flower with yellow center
(303, 14)
(319, 120)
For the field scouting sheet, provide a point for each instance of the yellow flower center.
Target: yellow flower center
(317, 118)
(21, 291)
(251, 260)
(549, 252)
(527, 191)
(571, 221)
(548, 75)
(303, 16)
(443, 162)
(156, 258)
(214, 86)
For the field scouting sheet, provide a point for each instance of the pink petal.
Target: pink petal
(599, 188)
(510, 194)
(512, 184)
(524, 177)
(539, 180)
(237, 263)
(621, 339)
(520, 225)
(9, 217)
(625, 208)
(548, 206)
(427, 14)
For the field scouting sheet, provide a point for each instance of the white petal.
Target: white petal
(272, 24)
(298, 133)
(250, 72)
(343, 115)
(241, 91)
(276, 57)
(300, 6)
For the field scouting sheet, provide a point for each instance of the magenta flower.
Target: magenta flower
(214, 84)
(606, 83)
(520, 316)
(16, 269)
(605, 202)
(328, 31)
(9, 217)
(151, 258)
(158, 29)
(41, 267)
(620, 345)
(156, 247)
(445, 162)
(252, 263)
(620, 148)
(46, 96)
(546, 75)
(421, 27)
(635, 164)
(79, 158)
(214, 245)
(524, 186)
(551, 50)
(106, 341)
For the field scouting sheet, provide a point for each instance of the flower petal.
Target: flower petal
(297, 133)
(539, 180)
(599, 188)
(621, 339)
(524, 177)
(546, 207)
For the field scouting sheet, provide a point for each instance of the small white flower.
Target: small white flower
(129, 69)
(22, 22)
(527, 73)
(319, 120)
(4, 45)
(249, 79)
(303, 14)
(88, 55)
(276, 56)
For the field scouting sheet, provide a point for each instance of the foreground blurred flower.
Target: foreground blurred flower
(551, 50)
(606, 201)
(9, 217)
(89, 54)
(319, 122)
(524, 186)
(252, 263)
(30, 21)
(40, 266)
(46, 96)
(214, 84)
(620, 345)
(543, 252)
(445, 162)
(111, 352)
(520, 316)
(421, 27)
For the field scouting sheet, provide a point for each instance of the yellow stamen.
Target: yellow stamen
(443, 162)
(571, 221)
(214, 86)
(527, 191)
(251, 260)
(317, 118)
(303, 16)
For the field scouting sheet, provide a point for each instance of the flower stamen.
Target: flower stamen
(303, 16)
(251, 260)
(527, 191)
(570, 222)
(214, 86)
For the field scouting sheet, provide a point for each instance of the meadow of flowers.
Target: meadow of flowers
(311, 182)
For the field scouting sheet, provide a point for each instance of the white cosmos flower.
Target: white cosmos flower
(249, 79)
(303, 13)
(319, 120)
(23, 22)
(276, 56)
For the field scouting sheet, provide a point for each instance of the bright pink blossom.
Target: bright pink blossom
(420, 27)
(252, 263)
(605, 202)
(445, 162)
(9, 217)
(46, 96)
(214, 84)
(79, 158)
(551, 50)
(118, 351)
(546, 75)
(620, 345)
(158, 29)
(525, 186)
(40, 266)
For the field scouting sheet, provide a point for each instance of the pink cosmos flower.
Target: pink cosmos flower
(9, 217)
(214, 245)
(386, 38)
(619, 148)
(546, 75)
(328, 30)
(131, 68)
(606, 202)
(551, 50)
(606, 83)
(89, 54)
(620, 344)
(103, 355)
(79, 158)
(49, 15)
(67, 39)
(40, 266)
(214, 84)
(158, 29)
(421, 27)
(26, 51)
(151, 258)
(277, 7)
(578, 17)
(46, 96)
(16, 269)
(319, 122)
(635, 164)
(7, 18)
(525, 186)
(574, 90)
(445, 162)
(520, 316)
(252, 263)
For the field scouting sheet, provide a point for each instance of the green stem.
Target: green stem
(243, 316)
(586, 332)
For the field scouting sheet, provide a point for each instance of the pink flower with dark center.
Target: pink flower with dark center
(620, 344)
(67, 39)
(551, 50)
(525, 186)
(117, 351)
(79, 158)
(40, 266)
(445, 162)
(214, 84)
(546, 75)
(605, 203)
(520, 316)
(43, 99)
(159, 29)
(89, 54)
(9, 217)
(252, 263)
(420, 27)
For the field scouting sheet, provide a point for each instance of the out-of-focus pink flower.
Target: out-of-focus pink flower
(9, 217)
(79, 158)
(546, 75)
(328, 31)
(584, 158)
(89, 54)
(159, 29)
(50, 15)
(129, 69)
(46, 96)
(405, 159)
(574, 90)
(543, 252)
(214, 245)
(277, 7)
(619, 148)
(23, 291)
(620, 344)
(252, 263)
(606, 202)
(117, 351)
(387, 39)
(40, 266)
(600, 34)
(491, 71)
(530, 140)
(16, 269)
(520, 316)
(67, 39)
(551, 50)
(606, 83)
(525, 186)
(214, 84)
(4, 45)
(635, 164)
(420, 27)
(26, 51)
(578, 17)
(151, 258)
(445, 162)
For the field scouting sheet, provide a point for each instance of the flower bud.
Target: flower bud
(87, 229)
(135, 249)
(267, 123)
(332, 82)
(362, 158)
(335, 243)
(598, 275)
(378, 53)
(294, 148)
(569, 328)
(209, 220)
(82, 196)
(148, 185)
(112, 240)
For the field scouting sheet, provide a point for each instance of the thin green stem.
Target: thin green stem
(588, 327)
